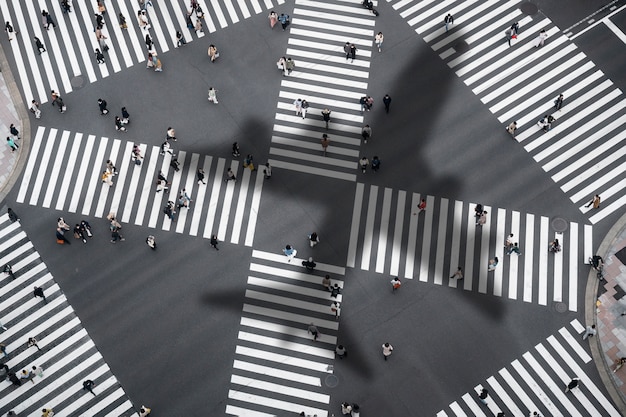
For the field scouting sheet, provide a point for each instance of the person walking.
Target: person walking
(395, 284)
(9, 30)
(3, 349)
(236, 152)
(102, 105)
(273, 17)
(326, 116)
(214, 242)
(40, 47)
(378, 39)
(99, 56)
(37, 370)
(284, 20)
(421, 206)
(12, 144)
(482, 219)
(47, 20)
(555, 246)
(180, 39)
(514, 248)
(352, 52)
(313, 239)
(363, 163)
(387, 102)
(335, 291)
(375, 163)
(200, 176)
(119, 125)
(106, 178)
(14, 379)
(122, 21)
(27, 375)
(213, 54)
(34, 108)
(230, 176)
(213, 95)
(14, 132)
(38, 292)
(47, 412)
(387, 350)
(115, 234)
(58, 101)
(326, 282)
(248, 162)
(366, 133)
(572, 384)
(171, 134)
(290, 252)
(334, 308)
(589, 331)
(558, 102)
(144, 411)
(313, 331)
(290, 65)
(541, 38)
(511, 128)
(448, 21)
(508, 242)
(151, 242)
(341, 353)
(595, 202)
(304, 106)
(325, 143)
(88, 386)
(297, 103)
(267, 171)
(32, 342)
(183, 199)
(493, 263)
(169, 210)
(458, 274)
(166, 148)
(484, 394)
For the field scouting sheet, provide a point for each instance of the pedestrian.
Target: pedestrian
(200, 176)
(122, 19)
(515, 28)
(248, 162)
(378, 39)
(387, 102)
(541, 38)
(115, 234)
(57, 100)
(144, 411)
(335, 291)
(508, 34)
(366, 133)
(326, 116)
(304, 106)
(290, 64)
(555, 246)
(60, 234)
(589, 331)
(40, 47)
(180, 39)
(325, 143)
(387, 349)
(309, 264)
(421, 206)
(314, 331)
(47, 412)
(341, 353)
(346, 49)
(267, 171)
(38, 292)
(314, 239)
(514, 249)
(27, 375)
(297, 103)
(493, 263)
(236, 150)
(102, 104)
(78, 232)
(125, 116)
(99, 56)
(334, 308)
(66, 6)
(151, 242)
(448, 20)
(369, 102)
(572, 384)
(213, 54)
(183, 199)
(119, 124)
(484, 394)
(290, 252)
(14, 379)
(101, 9)
(363, 102)
(595, 202)
(482, 219)
(508, 242)
(326, 282)
(14, 132)
(281, 65)
(3, 349)
(458, 274)
(214, 242)
(395, 284)
(169, 210)
(85, 228)
(273, 17)
(32, 342)
(9, 271)
(363, 163)
(284, 20)
(166, 148)
(12, 215)
(558, 103)
(230, 175)
(352, 52)
(171, 134)
(12, 144)
(34, 108)
(212, 95)
(142, 19)
(511, 128)
(162, 185)
(47, 20)
(101, 39)
(149, 43)
(9, 30)
(198, 29)
(88, 386)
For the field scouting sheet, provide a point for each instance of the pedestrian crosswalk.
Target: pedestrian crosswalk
(430, 245)
(278, 368)
(325, 79)
(64, 350)
(70, 47)
(536, 383)
(64, 172)
(584, 152)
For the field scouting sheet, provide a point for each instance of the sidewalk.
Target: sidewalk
(607, 312)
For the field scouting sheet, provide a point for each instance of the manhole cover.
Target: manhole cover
(331, 381)
(78, 81)
(461, 47)
(529, 8)
(559, 225)
(560, 307)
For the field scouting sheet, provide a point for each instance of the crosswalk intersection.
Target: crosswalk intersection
(278, 368)
(326, 79)
(584, 152)
(537, 381)
(432, 244)
(66, 353)
(70, 47)
(64, 168)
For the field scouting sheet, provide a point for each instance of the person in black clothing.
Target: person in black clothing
(88, 386)
(102, 104)
(214, 242)
(309, 265)
(39, 45)
(38, 292)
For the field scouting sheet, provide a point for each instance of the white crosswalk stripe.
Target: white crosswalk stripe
(230, 210)
(584, 151)
(543, 374)
(66, 353)
(445, 236)
(70, 47)
(325, 79)
(278, 367)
